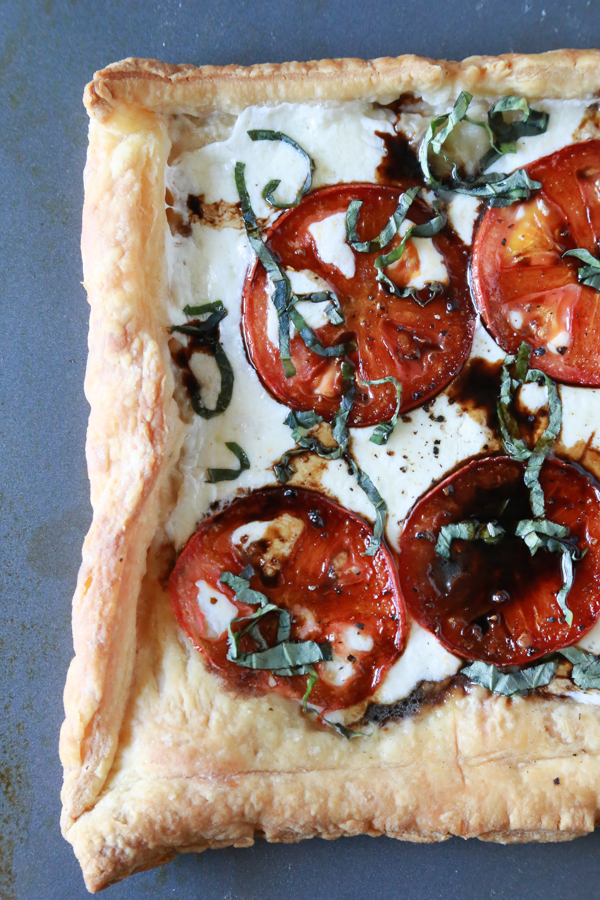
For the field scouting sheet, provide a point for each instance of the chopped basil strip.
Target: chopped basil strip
(302, 422)
(551, 536)
(512, 683)
(283, 470)
(435, 288)
(427, 229)
(282, 292)
(381, 510)
(240, 585)
(503, 134)
(283, 297)
(337, 726)
(512, 441)
(499, 188)
(312, 680)
(215, 475)
(490, 532)
(333, 310)
(284, 659)
(311, 340)
(206, 334)
(586, 667)
(589, 273)
(344, 731)
(215, 307)
(387, 234)
(384, 429)
(535, 533)
(267, 135)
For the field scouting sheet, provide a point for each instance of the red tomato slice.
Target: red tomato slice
(307, 560)
(524, 287)
(423, 347)
(497, 603)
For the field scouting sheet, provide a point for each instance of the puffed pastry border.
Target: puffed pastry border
(474, 765)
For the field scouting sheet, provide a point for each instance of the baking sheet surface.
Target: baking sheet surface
(48, 51)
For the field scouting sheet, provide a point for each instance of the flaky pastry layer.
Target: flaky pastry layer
(159, 757)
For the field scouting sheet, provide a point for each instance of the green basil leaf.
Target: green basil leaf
(346, 732)
(301, 423)
(339, 426)
(512, 683)
(381, 510)
(384, 429)
(312, 680)
(263, 134)
(283, 470)
(471, 530)
(215, 475)
(333, 310)
(386, 234)
(513, 443)
(531, 532)
(427, 229)
(586, 667)
(438, 131)
(312, 341)
(284, 659)
(206, 332)
(215, 306)
(500, 189)
(336, 726)
(282, 291)
(551, 536)
(240, 585)
(225, 393)
(504, 135)
(588, 274)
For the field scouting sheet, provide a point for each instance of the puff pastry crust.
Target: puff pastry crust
(158, 757)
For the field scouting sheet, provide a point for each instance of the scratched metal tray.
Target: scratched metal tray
(48, 50)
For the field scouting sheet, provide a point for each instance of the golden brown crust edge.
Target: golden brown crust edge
(124, 830)
(483, 766)
(173, 89)
(130, 393)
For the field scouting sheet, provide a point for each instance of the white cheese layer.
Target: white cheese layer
(333, 249)
(424, 659)
(211, 265)
(217, 610)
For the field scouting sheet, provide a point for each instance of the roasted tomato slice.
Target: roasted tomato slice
(306, 554)
(495, 602)
(424, 347)
(524, 287)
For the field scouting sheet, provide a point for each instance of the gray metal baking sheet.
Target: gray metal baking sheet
(48, 51)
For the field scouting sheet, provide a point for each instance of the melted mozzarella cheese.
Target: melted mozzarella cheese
(431, 264)
(211, 265)
(333, 249)
(424, 659)
(217, 610)
(462, 213)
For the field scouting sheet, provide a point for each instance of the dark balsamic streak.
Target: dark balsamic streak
(400, 164)
(476, 389)
(426, 694)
